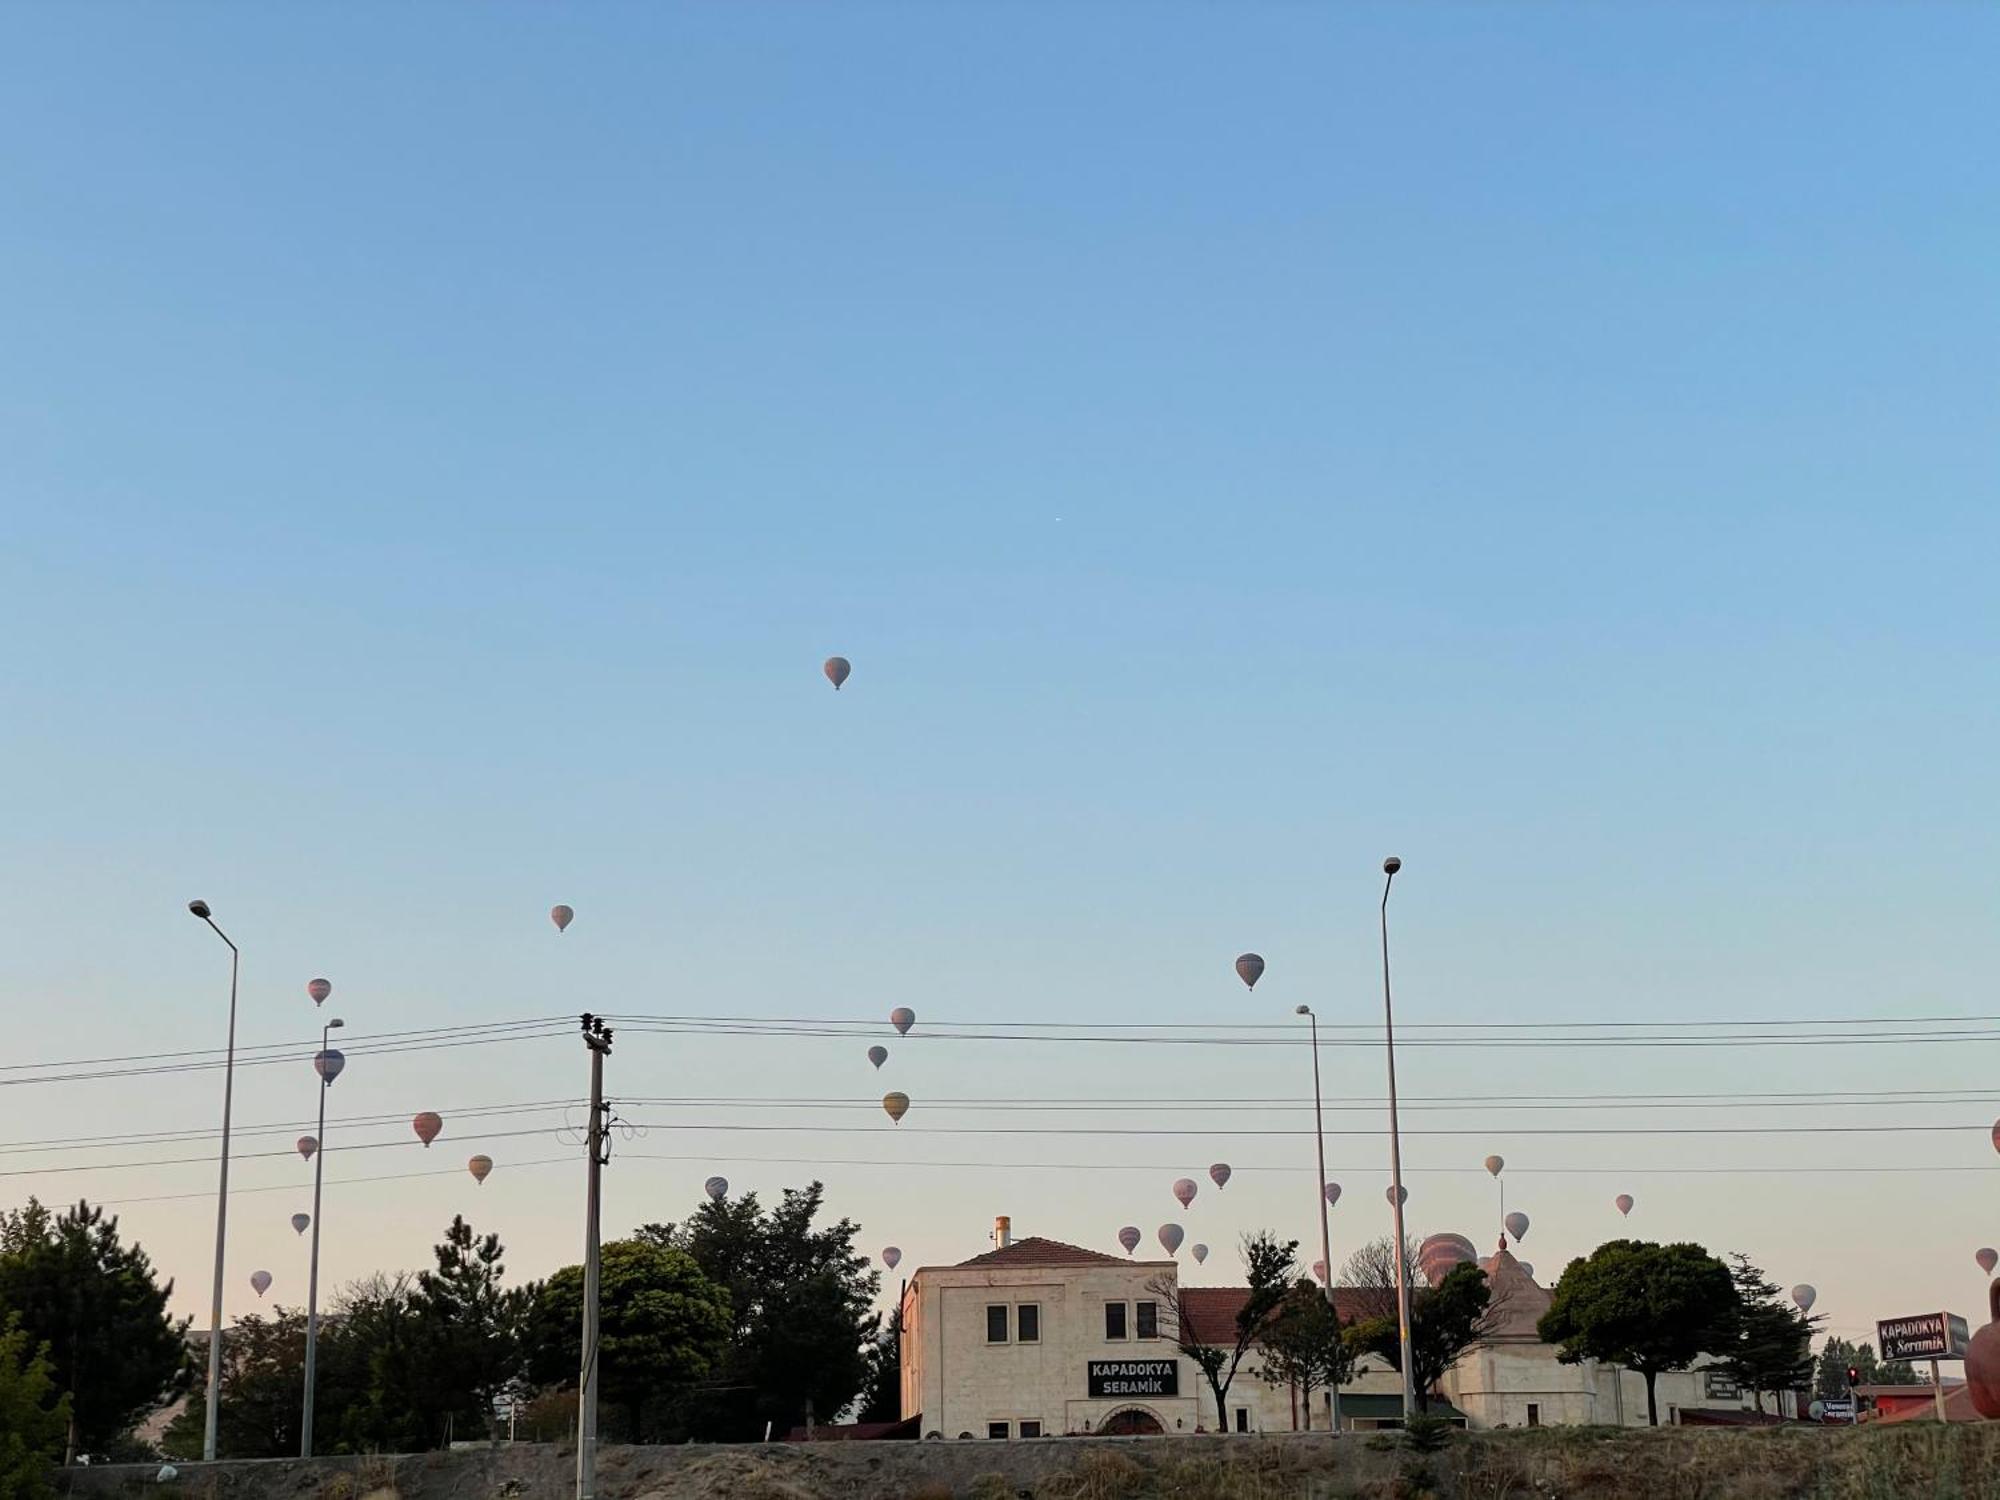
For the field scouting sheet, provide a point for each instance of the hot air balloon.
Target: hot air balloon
(1987, 1259)
(836, 670)
(562, 916)
(427, 1125)
(307, 1145)
(892, 1257)
(480, 1167)
(301, 1223)
(1184, 1190)
(319, 989)
(1332, 1191)
(260, 1282)
(897, 1105)
(717, 1188)
(1623, 1203)
(1249, 969)
(1319, 1272)
(1804, 1296)
(1219, 1174)
(878, 1055)
(1171, 1236)
(1517, 1225)
(1200, 1253)
(1495, 1165)
(1996, 1135)
(1440, 1254)
(1526, 1269)
(902, 1018)
(1396, 1195)
(329, 1063)
(1129, 1238)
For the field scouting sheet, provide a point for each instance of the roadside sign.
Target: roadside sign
(1938, 1335)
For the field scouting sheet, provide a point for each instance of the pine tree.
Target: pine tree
(1768, 1342)
(464, 1341)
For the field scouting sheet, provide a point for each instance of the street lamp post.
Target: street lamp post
(326, 1077)
(201, 910)
(1325, 1235)
(1389, 868)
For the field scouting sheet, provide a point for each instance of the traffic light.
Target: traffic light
(1853, 1376)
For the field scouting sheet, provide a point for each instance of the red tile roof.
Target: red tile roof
(1036, 1251)
(1211, 1311)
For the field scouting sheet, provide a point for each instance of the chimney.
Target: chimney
(1003, 1232)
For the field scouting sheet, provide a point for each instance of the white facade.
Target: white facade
(1038, 1339)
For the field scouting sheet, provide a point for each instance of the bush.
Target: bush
(33, 1418)
(1426, 1434)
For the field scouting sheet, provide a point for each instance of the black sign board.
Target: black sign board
(1926, 1336)
(1110, 1378)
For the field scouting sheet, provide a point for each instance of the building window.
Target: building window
(1114, 1320)
(1028, 1323)
(1534, 1415)
(1031, 1429)
(996, 1323)
(1242, 1419)
(1149, 1320)
(996, 1430)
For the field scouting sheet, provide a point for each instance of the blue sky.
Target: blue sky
(1552, 443)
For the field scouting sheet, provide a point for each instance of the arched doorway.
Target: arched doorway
(1131, 1421)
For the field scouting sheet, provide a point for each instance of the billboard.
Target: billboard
(1134, 1377)
(1938, 1335)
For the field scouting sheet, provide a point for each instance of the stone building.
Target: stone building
(1036, 1338)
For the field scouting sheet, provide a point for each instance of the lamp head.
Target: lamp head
(335, 1024)
(1303, 1010)
(199, 908)
(1391, 865)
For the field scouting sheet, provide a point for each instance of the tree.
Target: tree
(662, 1326)
(1304, 1345)
(1769, 1341)
(1649, 1307)
(263, 1379)
(464, 1337)
(881, 1397)
(95, 1304)
(800, 1305)
(1445, 1320)
(1830, 1374)
(34, 1415)
(1218, 1352)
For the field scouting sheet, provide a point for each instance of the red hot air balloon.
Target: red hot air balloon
(307, 1145)
(1495, 1165)
(1219, 1174)
(892, 1257)
(260, 1282)
(902, 1018)
(1129, 1238)
(562, 916)
(1439, 1255)
(1987, 1259)
(878, 1055)
(319, 989)
(1623, 1203)
(1171, 1236)
(717, 1188)
(481, 1167)
(836, 670)
(1249, 969)
(1319, 1272)
(427, 1125)
(1184, 1190)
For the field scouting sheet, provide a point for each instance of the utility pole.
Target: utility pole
(597, 1038)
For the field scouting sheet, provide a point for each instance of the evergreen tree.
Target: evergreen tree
(94, 1303)
(1304, 1347)
(1768, 1343)
(463, 1343)
(881, 1397)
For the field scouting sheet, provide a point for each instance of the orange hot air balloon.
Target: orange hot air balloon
(896, 1106)
(1495, 1165)
(836, 670)
(427, 1125)
(1249, 969)
(480, 1167)
(319, 989)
